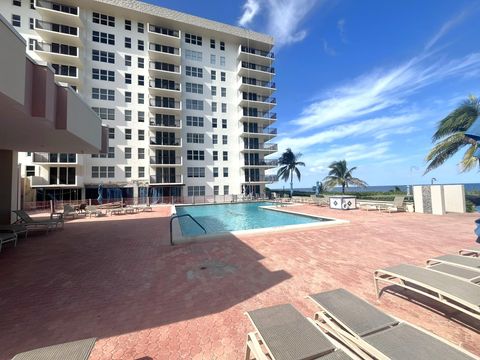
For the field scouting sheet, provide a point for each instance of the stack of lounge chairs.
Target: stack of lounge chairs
(33, 224)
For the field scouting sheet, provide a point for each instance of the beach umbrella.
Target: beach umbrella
(100, 191)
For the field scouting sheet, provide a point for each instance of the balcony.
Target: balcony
(254, 115)
(166, 142)
(168, 123)
(166, 36)
(165, 161)
(164, 87)
(166, 105)
(54, 158)
(166, 179)
(165, 53)
(65, 14)
(261, 87)
(58, 33)
(266, 132)
(66, 73)
(165, 70)
(260, 163)
(259, 101)
(58, 53)
(253, 178)
(262, 147)
(259, 72)
(249, 52)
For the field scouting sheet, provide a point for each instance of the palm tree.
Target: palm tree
(450, 136)
(288, 166)
(341, 175)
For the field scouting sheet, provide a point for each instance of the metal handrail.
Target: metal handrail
(179, 216)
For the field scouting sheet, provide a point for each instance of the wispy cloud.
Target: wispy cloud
(341, 29)
(250, 10)
(327, 49)
(446, 27)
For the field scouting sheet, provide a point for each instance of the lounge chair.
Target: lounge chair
(92, 210)
(456, 260)
(48, 224)
(398, 205)
(69, 211)
(19, 229)
(470, 251)
(75, 350)
(283, 333)
(6, 237)
(472, 275)
(447, 289)
(378, 334)
(369, 207)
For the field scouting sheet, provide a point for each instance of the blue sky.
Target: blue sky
(364, 81)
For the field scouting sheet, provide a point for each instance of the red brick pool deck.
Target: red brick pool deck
(117, 279)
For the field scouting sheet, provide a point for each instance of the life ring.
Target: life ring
(344, 206)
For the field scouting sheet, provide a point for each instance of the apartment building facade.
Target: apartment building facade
(188, 101)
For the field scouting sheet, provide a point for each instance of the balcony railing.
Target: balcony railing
(164, 49)
(252, 66)
(163, 31)
(252, 112)
(166, 179)
(175, 123)
(265, 131)
(256, 82)
(54, 158)
(165, 103)
(62, 29)
(50, 5)
(271, 178)
(253, 51)
(57, 48)
(259, 98)
(165, 141)
(265, 162)
(165, 160)
(272, 147)
(260, 178)
(157, 65)
(164, 84)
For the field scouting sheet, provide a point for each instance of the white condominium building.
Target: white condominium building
(188, 101)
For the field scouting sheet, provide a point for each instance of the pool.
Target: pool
(237, 217)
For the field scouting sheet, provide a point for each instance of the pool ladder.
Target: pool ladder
(179, 216)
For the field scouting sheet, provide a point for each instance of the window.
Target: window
(215, 155)
(214, 122)
(196, 172)
(103, 171)
(222, 45)
(196, 190)
(195, 138)
(141, 62)
(224, 139)
(103, 56)
(225, 156)
(141, 153)
(215, 172)
(128, 153)
(222, 60)
(32, 23)
(65, 70)
(111, 133)
(104, 113)
(128, 171)
(223, 76)
(128, 43)
(224, 108)
(103, 38)
(111, 152)
(103, 94)
(128, 25)
(141, 171)
(31, 44)
(215, 190)
(213, 75)
(140, 28)
(141, 45)
(225, 189)
(214, 139)
(195, 121)
(212, 43)
(141, 135)
(94, 171)
(194, 71)
(193, 39)
(17, 2)
(111, 171)
(224, 92)
(128, 134)
(16, 20)
(196, 155)
(30, 170)
(194, 88)
(194, 104)
(128, 60)
(141, 80)
(141, 116)
(128, 115)
(214, 91)
(128, 97)
(213, 59)
(103, 19)
(224, 123)
(105, 75)
(225, 172)
(128, 78)
(214, 106)
(193, 55)
(141, 98)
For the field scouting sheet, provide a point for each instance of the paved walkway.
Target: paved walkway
(117, 279)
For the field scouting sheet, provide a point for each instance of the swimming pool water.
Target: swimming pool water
(234, 217)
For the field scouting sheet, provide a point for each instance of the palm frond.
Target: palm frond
(444, 150)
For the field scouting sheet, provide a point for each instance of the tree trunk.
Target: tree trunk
(291, 184)
(343, 188)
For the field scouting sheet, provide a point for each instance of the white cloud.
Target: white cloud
(449, 25)
(250, 10)
(327, 49)
(341, 29)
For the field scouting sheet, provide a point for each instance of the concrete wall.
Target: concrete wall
(9, 186)
(455, 198)
(439, 199)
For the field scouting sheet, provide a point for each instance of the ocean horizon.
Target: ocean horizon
(376, 188)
